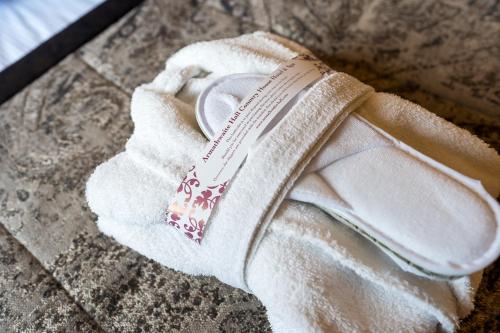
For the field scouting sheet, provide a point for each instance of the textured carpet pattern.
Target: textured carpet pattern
(58, 273)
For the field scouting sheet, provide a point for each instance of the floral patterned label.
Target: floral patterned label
(206, 181)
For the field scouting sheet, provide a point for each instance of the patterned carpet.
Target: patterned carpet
(58, 273)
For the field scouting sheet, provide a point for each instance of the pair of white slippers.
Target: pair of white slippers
(418, 200)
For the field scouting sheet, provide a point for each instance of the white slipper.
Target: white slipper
(428, 217)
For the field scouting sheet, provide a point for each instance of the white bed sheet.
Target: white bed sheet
(25, 24)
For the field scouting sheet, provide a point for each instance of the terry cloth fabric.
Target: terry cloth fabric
(361, 159)
(312, 273)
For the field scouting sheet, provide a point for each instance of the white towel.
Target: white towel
(313, 274)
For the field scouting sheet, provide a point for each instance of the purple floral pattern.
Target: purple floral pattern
(187, 184)
(197, 211)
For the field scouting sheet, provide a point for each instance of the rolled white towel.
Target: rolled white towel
(311, 272)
